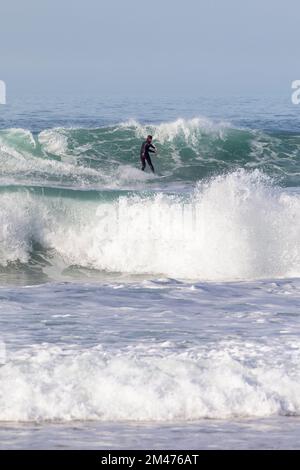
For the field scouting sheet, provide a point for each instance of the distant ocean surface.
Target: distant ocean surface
(141, 310)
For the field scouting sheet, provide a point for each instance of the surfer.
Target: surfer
(147, 147)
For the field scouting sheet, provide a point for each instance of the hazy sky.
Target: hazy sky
(159, 47)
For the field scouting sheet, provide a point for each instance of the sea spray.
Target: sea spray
(235, 226)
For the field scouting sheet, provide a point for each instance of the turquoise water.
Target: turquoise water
(107, 157)
(143, 304)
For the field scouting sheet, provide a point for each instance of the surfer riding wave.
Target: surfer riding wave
(147, 147)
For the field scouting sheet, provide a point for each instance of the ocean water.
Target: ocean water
(149, 311)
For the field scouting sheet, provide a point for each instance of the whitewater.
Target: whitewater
(236, 226)
(142, 310)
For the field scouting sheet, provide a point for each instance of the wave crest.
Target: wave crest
(189, 150)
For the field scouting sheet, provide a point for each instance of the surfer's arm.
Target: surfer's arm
(151, 146)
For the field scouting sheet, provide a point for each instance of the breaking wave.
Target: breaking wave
(108, 157)
(234, 226)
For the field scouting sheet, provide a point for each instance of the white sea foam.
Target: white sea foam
(54, 141)
(188, 129)
(49, 383)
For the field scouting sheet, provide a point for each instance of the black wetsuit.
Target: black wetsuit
(145, 157)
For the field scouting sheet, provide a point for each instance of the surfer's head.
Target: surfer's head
(149, 138)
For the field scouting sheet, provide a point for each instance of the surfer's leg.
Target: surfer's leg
(150, 164)
(143, 160)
